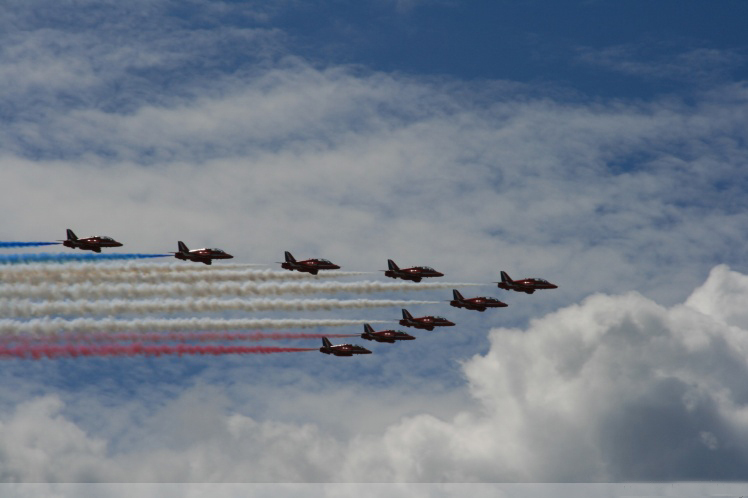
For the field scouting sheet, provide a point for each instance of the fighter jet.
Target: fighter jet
(527, 285)
(308, 265)
(341, 349)
(415, 273)
(390, 336)
(203, 255)
(93, 243)
(475, 303)
(424, 322)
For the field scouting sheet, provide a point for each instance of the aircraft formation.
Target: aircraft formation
(314, 265)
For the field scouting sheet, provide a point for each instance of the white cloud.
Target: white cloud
(40, 445)
(359, 168)
(614, 388)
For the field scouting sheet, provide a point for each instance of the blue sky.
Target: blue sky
(530, 42)
(601, 145)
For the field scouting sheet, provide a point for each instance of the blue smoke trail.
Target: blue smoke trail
(46, 257)
(27, 244)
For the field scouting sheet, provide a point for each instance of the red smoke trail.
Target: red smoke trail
(164, 337)
(136, 349)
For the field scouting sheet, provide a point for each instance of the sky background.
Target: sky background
(601, 145)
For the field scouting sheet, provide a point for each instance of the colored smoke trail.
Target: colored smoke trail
(54, 291)
(38, 351)
(167, 337)
(28, 244)
(26, 309)
(140, 274)
(46, 257)
(51, 326)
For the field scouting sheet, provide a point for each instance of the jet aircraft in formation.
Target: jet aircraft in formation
(424, 322)
(527, 285)
(93, 243)
(308, 265)
(415, 273)
(385, 335)
(341, 349)
(204, 255)
(475, 303)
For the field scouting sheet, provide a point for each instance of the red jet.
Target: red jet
(94, 243)
(385, 335)
(308, 265)
(475, 303)
(204, 255)
(341, 349)
(415, 273)
(424, 322)
(528, 285)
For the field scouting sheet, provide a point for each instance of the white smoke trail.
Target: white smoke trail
(140, 273)
(207, 289)
(51, 326)
(25, 308)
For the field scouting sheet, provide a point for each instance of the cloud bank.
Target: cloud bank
(615, 388)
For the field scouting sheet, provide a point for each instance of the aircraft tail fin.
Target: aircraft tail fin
(368, 329)
(407, 315)
(392, 266)
(290, 258)
(182, 246)
(326, 342)
(505, 278)
(71, 235)
(456, 294)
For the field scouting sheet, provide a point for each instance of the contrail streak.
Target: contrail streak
(28, 244)
(207, 289)
(45, 257)
(166, 337)
(36, 352)
(26, 308)
(140, 274)
(51, 326)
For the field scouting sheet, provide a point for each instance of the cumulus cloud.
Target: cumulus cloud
(615, 388)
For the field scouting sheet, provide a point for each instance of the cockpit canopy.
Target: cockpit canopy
(217, 250)
(426, 268)
(326, 261)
